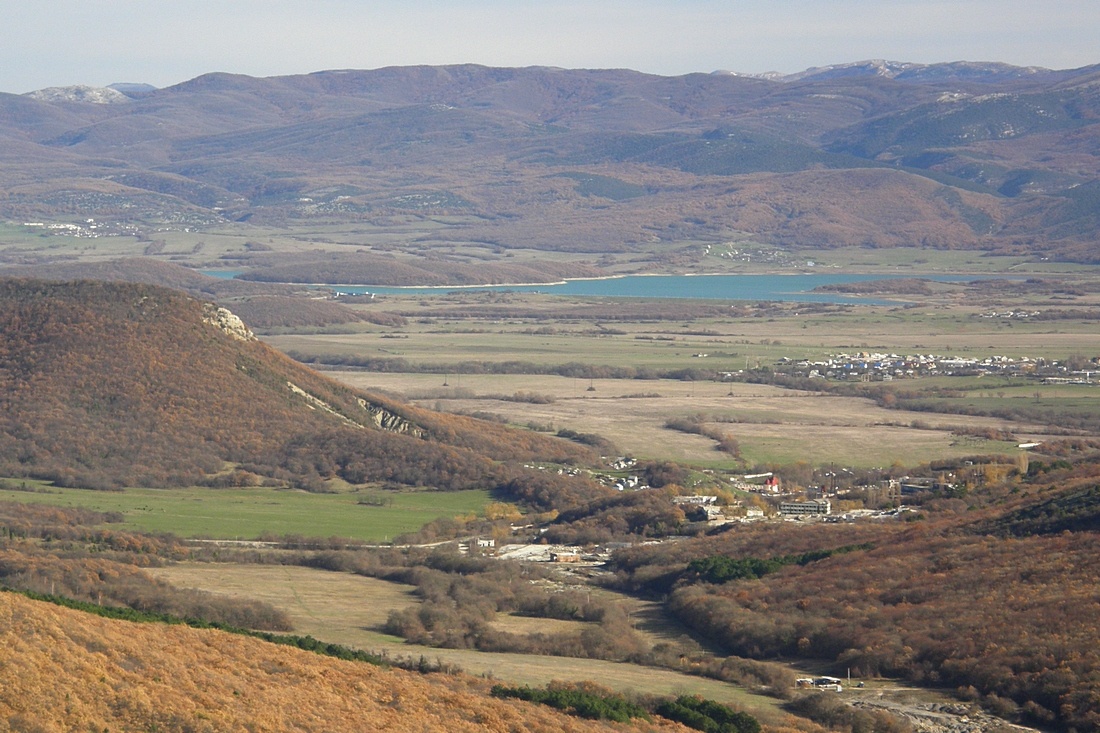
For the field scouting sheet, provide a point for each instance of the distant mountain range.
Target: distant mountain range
(879, 154)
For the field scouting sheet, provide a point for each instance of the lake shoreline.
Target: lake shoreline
(779, 287)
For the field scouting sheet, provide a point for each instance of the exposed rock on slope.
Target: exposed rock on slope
(227, 322)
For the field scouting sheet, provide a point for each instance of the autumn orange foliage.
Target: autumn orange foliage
(109, 384)
(62, 670)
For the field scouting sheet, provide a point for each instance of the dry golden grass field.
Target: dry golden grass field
(63, 670)
(350, 609)
(771, 424)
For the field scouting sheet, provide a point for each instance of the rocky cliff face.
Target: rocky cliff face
(386, 420)
(224, 319)
(380, 417)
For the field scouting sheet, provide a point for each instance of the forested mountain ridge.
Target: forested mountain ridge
(107, 384)
(878, 154)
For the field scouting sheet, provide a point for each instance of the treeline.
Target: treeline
(707, 715)
(576, 370)
(696, 425)
(939, 399)
(588, 700)
(365, 268)
(500, 304)
(899, 286)
(266, 312)
(1060, 420)
(582, 701)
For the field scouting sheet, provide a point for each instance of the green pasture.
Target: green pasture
(449, 344)
(549, 334)
(1067, 405)
(249, 513)
(16, 233)
(907, 260)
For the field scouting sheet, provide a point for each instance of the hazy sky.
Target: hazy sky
(163, 42)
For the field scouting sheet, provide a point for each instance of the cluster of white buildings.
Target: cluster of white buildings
(884, 367)
(88, 229)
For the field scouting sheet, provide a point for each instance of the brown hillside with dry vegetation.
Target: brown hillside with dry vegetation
(63, 670)
(108, 384)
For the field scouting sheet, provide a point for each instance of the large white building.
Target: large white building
(805, 508)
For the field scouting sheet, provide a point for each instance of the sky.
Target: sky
(164, 42)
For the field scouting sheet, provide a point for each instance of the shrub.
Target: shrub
(707, 715)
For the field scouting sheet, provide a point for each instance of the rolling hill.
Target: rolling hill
(61, 669)
(108, 384)
(978, 156)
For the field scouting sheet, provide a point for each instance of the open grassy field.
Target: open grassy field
(250, 513)
(730, 344)
(350, 609)
(771, 424)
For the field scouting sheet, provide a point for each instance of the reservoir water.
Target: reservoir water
(796, 288)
